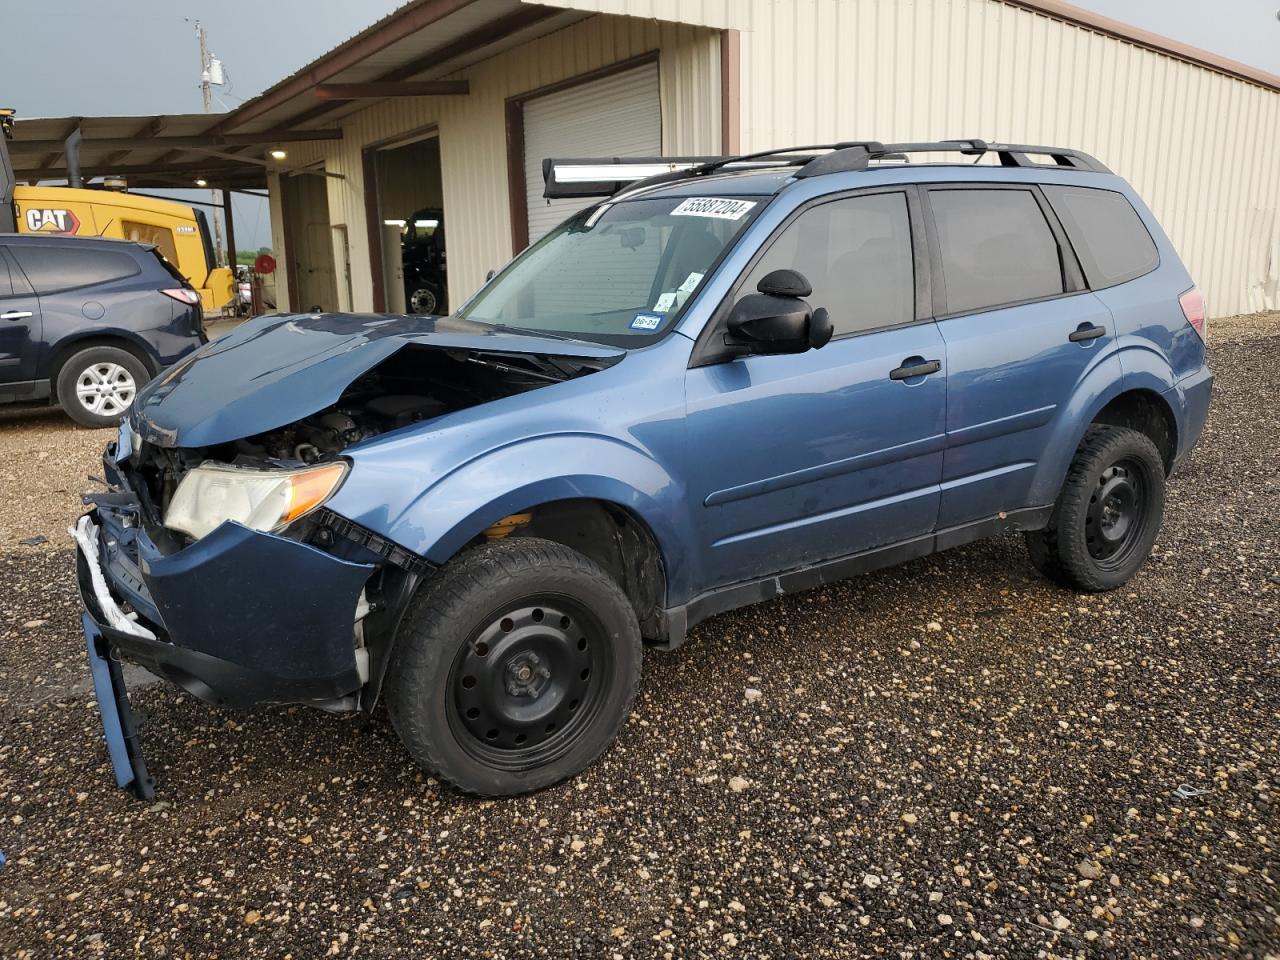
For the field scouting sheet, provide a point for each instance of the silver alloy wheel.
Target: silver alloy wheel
(105, 389)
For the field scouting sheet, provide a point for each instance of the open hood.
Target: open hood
(277, 369)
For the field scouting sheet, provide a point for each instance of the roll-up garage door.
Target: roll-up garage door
(617, 116)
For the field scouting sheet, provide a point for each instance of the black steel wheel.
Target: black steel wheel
(514, 668)
(1108, 513)
(529, 681)
(1116, 515)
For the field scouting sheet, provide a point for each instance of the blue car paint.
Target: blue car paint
(119, 726)
(113, 733)
(231, 623)
(1012, 374)
(276, 627)
(853, 461)
(287, 366)
(838, 475)
(617, 435)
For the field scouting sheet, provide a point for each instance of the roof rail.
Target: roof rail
(608, 176)
(859, 156)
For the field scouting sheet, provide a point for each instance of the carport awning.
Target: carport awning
(170, 150)
(422, 42)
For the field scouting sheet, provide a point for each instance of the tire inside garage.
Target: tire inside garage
(411, 218)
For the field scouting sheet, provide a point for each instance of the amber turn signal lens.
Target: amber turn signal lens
(310, 488)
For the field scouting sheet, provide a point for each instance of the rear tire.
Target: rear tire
(515, 667)
(97, 385)
(1108, 512)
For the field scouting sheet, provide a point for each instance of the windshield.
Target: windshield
(616, 273)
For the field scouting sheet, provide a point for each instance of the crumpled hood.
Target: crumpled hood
(276, 369)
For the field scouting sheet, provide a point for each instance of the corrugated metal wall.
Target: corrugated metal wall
(472, 132)
(1200, 147)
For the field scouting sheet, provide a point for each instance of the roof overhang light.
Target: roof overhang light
(278, 154)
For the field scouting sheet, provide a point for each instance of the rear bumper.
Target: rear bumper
(240, 617)
(1192, 395)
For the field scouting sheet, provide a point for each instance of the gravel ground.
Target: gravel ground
(952, 758)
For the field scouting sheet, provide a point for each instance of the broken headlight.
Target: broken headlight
(261, 499)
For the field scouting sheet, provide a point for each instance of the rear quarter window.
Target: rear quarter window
(167, 266)
(51, 268)
(1108, 236)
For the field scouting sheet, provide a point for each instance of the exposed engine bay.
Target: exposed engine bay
(413, 385)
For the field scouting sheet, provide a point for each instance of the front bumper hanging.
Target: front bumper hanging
(119, 724)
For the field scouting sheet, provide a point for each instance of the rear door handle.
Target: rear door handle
(919, 369)
(1086, 332)
(15, 315)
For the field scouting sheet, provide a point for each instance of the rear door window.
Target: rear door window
(996, 248)
(1108, 236)
(52, 268)
(856, 253)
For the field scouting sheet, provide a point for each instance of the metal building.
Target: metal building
(445, 109)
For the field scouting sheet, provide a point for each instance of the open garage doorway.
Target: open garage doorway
(311, 278)
(411, 226)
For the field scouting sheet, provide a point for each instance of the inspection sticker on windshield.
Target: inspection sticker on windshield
(717, 207)
(690, 283)
(646, 321)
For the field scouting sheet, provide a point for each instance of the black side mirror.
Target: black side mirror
(489, 276)
(763, 323)
(785, 283)
(777, 319)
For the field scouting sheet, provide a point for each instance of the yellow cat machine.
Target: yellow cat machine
(178, 231)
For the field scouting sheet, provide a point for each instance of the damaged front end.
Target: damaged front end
(212, 559)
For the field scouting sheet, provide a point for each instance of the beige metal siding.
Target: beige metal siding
(473, 148)
(279, 253)
(725, 14)
(1200, 147)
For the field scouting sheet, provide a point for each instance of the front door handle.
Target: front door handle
(919, 368)
(1086, 332)
(15, 315)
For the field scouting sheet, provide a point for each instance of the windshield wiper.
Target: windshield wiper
(501, 367)
(533, 333)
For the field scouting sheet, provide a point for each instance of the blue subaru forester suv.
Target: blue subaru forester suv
(731, 379)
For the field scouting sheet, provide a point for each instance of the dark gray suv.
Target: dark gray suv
(85, 322)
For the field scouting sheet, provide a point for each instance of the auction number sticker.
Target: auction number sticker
(719, 208)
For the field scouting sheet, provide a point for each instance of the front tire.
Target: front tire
(515, 667)
(1108, 513)
(97, 385)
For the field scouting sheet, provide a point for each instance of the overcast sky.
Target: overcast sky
(68, 57)
(88, 57)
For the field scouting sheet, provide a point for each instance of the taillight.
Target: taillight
(1192, 303)
(183, 295)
